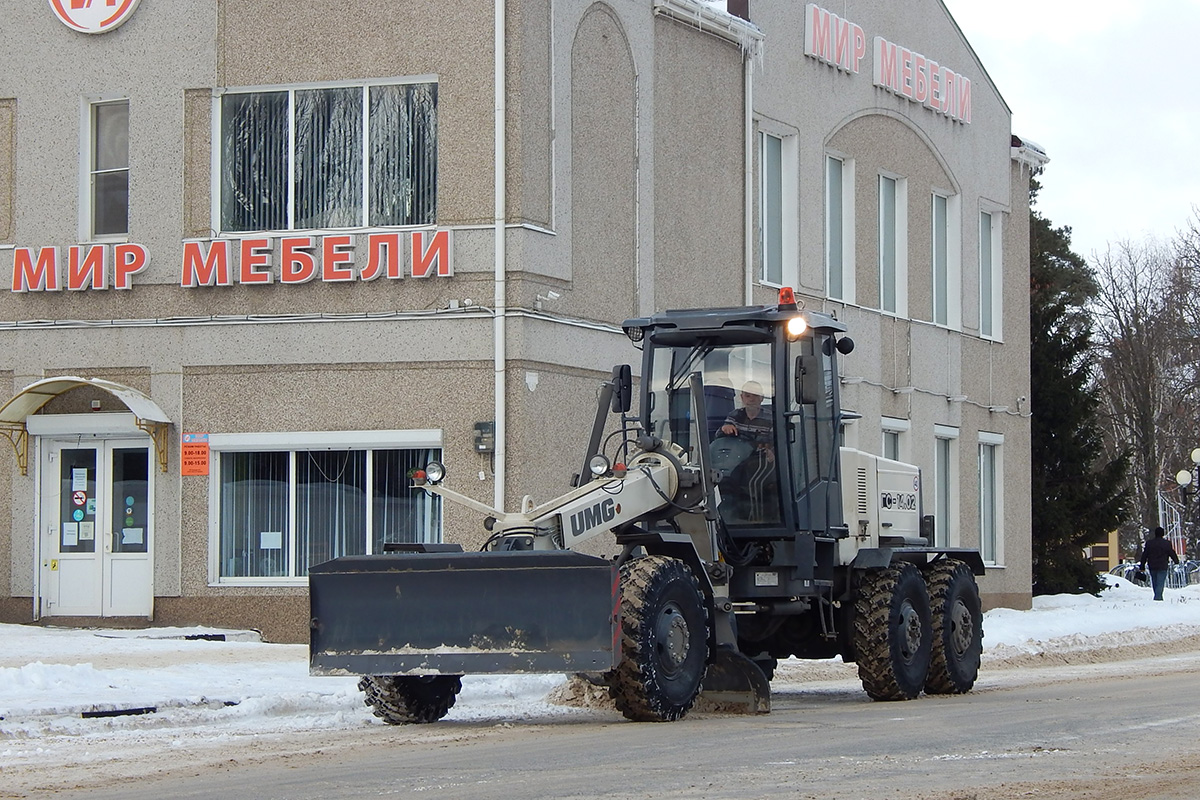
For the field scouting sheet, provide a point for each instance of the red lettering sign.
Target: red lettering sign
(256, 261)
(433, 259)
(296, 263)
(208, 269)
(922, 80)
(30, 277)
(836, 41)
(128, 260)
(335, 251)
(88, 272)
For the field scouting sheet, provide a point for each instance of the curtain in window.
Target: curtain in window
(403, 147)
(328, 158)
(254, 158)
(254, 527)
(400, 512)
(331, 506)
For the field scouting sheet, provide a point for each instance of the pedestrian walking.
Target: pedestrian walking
(1156, 554)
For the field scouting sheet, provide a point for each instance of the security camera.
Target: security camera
(552, 295)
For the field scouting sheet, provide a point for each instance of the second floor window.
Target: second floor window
(109, 169)
(329, 157)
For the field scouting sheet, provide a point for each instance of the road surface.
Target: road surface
(1128, 729)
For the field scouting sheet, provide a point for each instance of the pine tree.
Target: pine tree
(1077, 499)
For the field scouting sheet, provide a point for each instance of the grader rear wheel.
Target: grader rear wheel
(957, 628)
(664, 641)
(893, 634)
(407, 699)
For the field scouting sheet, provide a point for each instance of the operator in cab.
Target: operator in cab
(752, 485)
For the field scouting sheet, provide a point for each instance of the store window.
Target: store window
(839, 228)
(991, 497)
(893, 245)
(990, 295)
(328, 157)
(280, 512)
(108, 169)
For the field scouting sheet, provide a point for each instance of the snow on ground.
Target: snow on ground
(198, 690)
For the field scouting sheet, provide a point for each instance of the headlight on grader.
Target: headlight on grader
(435, 471)
(599, 465)
(796, 327)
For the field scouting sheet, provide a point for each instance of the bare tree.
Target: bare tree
(1147, 321)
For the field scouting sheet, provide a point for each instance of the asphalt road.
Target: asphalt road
(1129, 730)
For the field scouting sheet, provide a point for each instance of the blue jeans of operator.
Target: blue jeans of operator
(1158, 580)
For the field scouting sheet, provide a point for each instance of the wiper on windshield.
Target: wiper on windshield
(680, 373)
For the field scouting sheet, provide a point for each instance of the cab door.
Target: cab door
(96, 527)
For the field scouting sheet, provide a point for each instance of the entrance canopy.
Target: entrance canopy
(13, 414)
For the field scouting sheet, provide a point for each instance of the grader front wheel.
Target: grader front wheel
(664, 640)
(407, 699)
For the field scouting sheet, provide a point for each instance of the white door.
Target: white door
(96, 528)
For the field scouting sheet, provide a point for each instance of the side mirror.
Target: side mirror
(622, 381)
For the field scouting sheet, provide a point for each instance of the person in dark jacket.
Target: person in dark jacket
(1156, 553)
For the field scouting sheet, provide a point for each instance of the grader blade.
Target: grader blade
(735, 684)
(455, 613)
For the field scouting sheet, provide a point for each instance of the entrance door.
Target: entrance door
(96, 528)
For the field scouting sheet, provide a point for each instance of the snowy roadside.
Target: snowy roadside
(60, 689)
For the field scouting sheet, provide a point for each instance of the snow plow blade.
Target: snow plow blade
(735, 684)
(456, 613)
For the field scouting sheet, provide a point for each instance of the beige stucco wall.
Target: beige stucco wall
(625, 146)
(698, 155)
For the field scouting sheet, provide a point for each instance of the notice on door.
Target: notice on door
(193, 459)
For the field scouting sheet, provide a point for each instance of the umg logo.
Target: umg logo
(93, 16)
(583, 521)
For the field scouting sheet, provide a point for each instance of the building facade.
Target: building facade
(256, 273)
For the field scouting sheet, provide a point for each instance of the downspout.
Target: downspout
(748, 170)
(498, 302)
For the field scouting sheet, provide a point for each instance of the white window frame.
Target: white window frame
(839, 230)
(788, 213)
(291, 89)
(992, 548)
(945, 494)
(87, 168)
(899, 237)
(991, 300)
(292, 442)
(945, 241)
(898, 428)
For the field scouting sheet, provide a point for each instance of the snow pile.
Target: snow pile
(1124, 617)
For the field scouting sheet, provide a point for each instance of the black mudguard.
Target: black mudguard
(448, 613)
